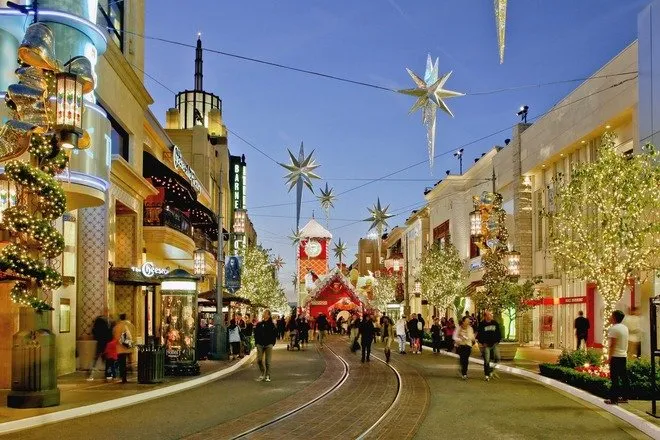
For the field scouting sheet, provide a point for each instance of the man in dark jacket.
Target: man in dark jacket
(265, 335)
(322, 327)
(413, 333)
(366, 332)
(102, 333)
(581, 329)
(488, 337)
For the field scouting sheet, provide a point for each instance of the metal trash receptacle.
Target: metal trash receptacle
(151, 364)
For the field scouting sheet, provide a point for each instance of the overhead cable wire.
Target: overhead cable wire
(353, 81)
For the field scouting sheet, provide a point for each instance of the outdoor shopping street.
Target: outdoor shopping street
(433, 402)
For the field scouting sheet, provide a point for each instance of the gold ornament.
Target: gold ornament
(32, 76)
(30, 105)
(37, 48)
(14, 139)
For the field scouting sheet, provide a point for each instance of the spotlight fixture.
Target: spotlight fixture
(459, 155)
(507, 141)
(523, 113)
(447, 172)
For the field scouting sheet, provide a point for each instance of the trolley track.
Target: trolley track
(329, 391)
(261, 427)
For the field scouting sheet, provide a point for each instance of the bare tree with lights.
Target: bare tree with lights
(384, 290)
(605, 221)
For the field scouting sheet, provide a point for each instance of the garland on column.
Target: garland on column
(41, 199)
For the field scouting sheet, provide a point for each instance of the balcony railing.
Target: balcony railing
(203, 242)
(163, 215)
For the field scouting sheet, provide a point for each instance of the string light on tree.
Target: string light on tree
(605, 223)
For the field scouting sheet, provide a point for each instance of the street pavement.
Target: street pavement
(431, 402)
(507, 407)
(183, 414)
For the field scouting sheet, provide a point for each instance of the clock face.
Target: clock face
(313, 248)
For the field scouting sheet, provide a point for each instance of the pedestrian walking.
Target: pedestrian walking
(581, 326)
(421, 325)
(354, 332)
(123, 333)
(110, 355)
(102, 333)
(322, 326)
(303, 330)
(489, 336)
(464, 339)
(234, 332)
(618, 352)
(367, 331)
(265, 334)
(449, 330)
(413, 332)
(247, 333)
(436, 330)
(401, 334)
(388, 333)
(281, 327)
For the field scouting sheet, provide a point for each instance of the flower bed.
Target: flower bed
(595, 378)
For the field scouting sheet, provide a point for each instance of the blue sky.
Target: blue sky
(359, 132)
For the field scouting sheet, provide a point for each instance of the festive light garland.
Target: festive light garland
(52, 199)
(442, 275)
(46, 237)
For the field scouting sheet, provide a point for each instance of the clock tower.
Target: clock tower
(312, 256)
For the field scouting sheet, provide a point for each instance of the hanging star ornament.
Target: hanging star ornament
(500, 24)
(301, 172)
(278, 262)
(340, 249)
(378, 217)
(430, 95)
(327, 199)
(295, 237)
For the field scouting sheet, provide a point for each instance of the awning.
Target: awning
(203, 218)
(226, 297)
(178, 190)
(128, 276)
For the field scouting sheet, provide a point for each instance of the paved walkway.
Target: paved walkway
(509, 407)
(183, 414)
(76, 391)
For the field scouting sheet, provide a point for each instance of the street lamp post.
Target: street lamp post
(219, 342)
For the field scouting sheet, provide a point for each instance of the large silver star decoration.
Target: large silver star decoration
(278, 262)
(378, 217)
(295, 238)
(301, 172)
(500, 24)
(430, 95)
(340, 249)
(327, 198)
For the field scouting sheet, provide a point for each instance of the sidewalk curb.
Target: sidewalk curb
(637, 422)
(121, 402)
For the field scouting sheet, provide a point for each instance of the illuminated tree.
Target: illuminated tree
(605, 221)
(384, 291)
(259, 282)
(442, 275)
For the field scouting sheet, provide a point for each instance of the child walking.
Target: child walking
(110, 355)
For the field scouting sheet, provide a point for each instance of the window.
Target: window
(113, 13)
(368, 259)
(118, 138)
(474, 249)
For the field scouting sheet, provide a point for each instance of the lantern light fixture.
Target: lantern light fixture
(475, 223)
(513, 263)
(68, 109)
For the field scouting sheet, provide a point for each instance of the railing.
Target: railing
(163, 215)
(203, 242)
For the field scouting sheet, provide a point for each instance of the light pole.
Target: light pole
(459, 155)
(219, 342)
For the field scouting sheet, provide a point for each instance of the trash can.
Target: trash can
(151, 364)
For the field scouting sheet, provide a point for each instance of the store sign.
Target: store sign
(238, 181)
(181, 164)
(557, 301)
(239, 221)
(149, 270)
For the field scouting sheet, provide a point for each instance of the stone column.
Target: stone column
(522, 206)
(93, 228)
